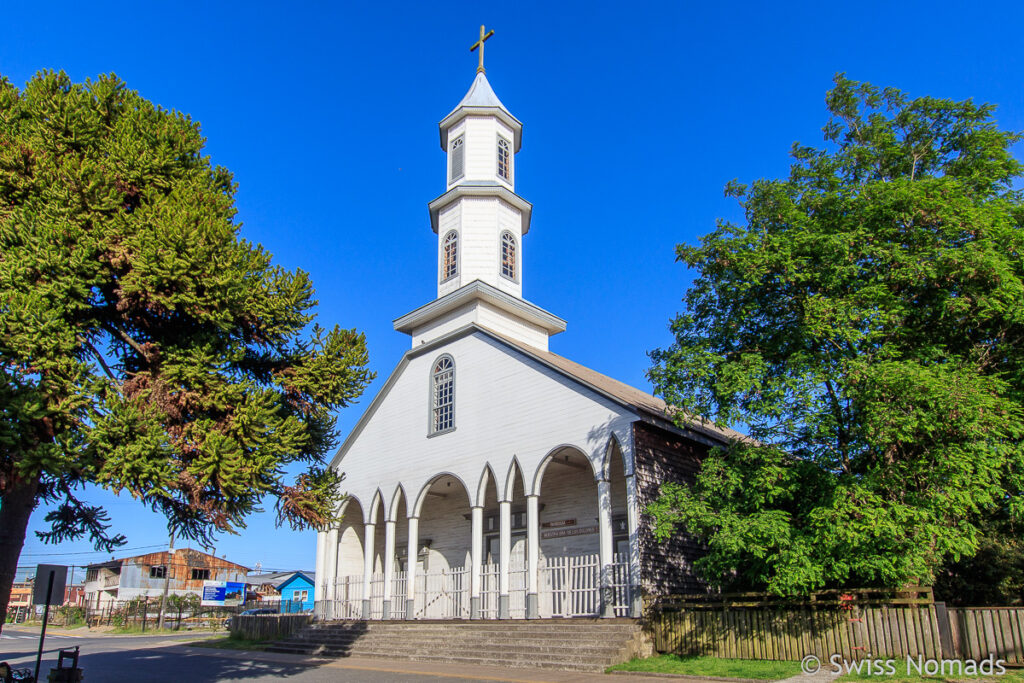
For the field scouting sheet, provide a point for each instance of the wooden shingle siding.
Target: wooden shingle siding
(661, 456)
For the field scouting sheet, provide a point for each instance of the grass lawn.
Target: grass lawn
(711, 666)
(136, 629)
(231, 643)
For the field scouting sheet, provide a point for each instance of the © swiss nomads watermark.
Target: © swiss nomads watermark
(870, 666)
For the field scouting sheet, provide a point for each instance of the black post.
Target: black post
(46, 615)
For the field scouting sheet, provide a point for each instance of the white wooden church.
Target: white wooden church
(490, 478)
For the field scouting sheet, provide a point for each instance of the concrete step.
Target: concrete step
(574, 644)
(560, 663)
(471, 634)
(536, 643)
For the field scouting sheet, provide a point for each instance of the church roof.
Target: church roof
(481, 100)
(480, 95)
(621, 392)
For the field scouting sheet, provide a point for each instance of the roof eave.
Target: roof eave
(448, 122)
(481, 190)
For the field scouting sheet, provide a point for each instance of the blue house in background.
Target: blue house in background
(293, 589)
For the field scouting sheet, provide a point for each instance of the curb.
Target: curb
(688, 677)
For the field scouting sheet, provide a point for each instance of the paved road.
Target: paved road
(165, 659)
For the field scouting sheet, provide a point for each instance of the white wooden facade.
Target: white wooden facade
(526, 505)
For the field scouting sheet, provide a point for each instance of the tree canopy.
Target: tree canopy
(144, 346)
(865, 326)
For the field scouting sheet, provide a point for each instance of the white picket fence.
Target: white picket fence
(377, 596)
(398, 595)
(348, 598)
(567, 587)
(442, 594)
(489, 591)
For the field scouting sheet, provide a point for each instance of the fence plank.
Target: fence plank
(788, 633)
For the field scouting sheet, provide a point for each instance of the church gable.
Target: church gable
(506, 405)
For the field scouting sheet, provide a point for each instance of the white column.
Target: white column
(505, 550)
(369, 531)
(410, 576)
(633, 525)
(389, 565)
(318, 590)
(332, 570)
(476, 560)
(604, 515)
(532, 555)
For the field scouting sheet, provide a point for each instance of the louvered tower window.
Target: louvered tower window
(504, 157)
(508, 255)
(450, 256)
(458, 154)
(443, 395)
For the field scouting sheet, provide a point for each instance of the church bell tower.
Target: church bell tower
(480, 223)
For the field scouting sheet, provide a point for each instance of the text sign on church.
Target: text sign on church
(559, 533)
(558, 523)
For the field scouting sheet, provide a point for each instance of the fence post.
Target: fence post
(945, 633)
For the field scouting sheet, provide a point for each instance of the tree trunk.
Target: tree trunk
(16, 506)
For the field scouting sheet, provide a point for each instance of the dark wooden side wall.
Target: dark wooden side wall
(663, 456)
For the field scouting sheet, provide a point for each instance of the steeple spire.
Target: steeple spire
(480, 223)
(480, 44)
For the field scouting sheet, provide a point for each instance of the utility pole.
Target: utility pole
(167, 581)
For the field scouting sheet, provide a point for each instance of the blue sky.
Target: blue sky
(635, 116)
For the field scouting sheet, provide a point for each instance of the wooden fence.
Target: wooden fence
(268, 626)
(854, 625)
(977, 631)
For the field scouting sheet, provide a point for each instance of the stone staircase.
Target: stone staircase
(574, 644)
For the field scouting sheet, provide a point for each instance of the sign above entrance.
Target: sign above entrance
(578, 531)
(558, 523)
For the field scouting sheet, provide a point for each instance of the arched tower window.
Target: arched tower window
(504, 169)
(458, 155)
(508, 255)
(443, 395)
(450, 256)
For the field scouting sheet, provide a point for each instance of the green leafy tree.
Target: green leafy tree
(145, 347)
(180, 603)
(865, 326)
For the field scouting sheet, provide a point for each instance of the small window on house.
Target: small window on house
(158, 572)
(301, 596)
(443, 395)
(200, 574)
(458, 156)
(504, 158)
(450, 256)
(508, 255)
(91, 574)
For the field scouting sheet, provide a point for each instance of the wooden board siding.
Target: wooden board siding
(661, 456)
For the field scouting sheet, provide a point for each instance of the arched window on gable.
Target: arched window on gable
(450, 256)
(442, 393)
(509, 256)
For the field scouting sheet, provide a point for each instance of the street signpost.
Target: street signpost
(54, 577)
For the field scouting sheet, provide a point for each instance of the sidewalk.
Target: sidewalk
(439, 669)
(106, 632)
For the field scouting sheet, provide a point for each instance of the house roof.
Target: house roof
(278, 579)
(161, 557)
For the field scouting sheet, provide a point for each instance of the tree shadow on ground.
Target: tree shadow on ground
(171, 664)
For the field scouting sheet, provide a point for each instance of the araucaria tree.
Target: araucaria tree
(866, 327)
(145, 347)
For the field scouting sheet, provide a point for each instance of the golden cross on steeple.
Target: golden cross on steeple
(480, 44)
